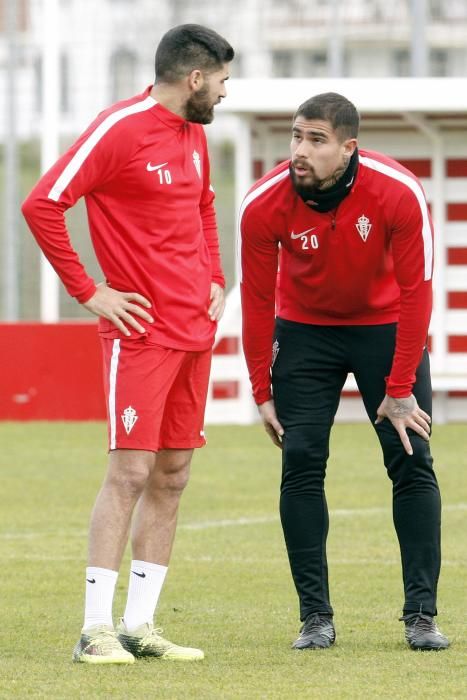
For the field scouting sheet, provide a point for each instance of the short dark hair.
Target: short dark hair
(335, 109)
(187, 47)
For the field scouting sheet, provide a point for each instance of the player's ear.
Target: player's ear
(349, 146)
(196, 80)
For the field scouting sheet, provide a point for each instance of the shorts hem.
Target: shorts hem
(176, 445)
(182, 445)
(144, 448)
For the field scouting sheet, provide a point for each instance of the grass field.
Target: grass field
(229, 589)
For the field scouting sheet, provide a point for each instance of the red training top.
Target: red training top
(369, 261)
(144, 174)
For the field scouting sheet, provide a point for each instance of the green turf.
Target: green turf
(229, 589)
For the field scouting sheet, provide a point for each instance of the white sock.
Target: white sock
(100, 588)
(146, 581)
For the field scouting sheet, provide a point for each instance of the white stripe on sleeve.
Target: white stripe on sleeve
(418, 192)
(251, 196)
(85, 149)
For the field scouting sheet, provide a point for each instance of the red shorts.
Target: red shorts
(155, 396)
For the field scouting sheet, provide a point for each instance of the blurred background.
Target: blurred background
(62, 61)
(106, 53)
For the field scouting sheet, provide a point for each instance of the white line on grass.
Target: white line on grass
(234, 522)
(275, 561)
(231, 522)
(337, 512)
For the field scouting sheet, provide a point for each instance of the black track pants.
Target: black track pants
(308, 375)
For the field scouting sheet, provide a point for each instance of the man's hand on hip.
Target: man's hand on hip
(119, 307)
(403, 414)
(217, 305)
(274, 429)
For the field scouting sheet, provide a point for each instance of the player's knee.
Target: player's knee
(304, 467)
(129, 472)
(130, 482)
(406, 470)
(173, 470)
(303, 454)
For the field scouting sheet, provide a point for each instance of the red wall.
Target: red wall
(50, 372)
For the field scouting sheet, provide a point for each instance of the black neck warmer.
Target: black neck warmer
(326, 200)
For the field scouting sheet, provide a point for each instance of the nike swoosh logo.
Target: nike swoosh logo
(150, 167)
(303, 233)
(91, 580)
(143, 575)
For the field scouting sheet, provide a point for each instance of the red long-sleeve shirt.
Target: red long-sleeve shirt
(144, 174)
(368, 262)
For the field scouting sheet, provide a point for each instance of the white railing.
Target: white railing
(237, 407)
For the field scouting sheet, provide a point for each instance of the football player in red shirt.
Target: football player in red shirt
(351, 235)
(143, 169)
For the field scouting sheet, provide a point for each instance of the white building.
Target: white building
(107, 46)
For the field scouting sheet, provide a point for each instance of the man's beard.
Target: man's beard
(199, 108)
(308, 191)
(326, 194)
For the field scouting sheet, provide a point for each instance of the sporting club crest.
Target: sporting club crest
(363, 226)
(129, 419)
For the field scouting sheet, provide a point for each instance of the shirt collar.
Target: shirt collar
(165, 115)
